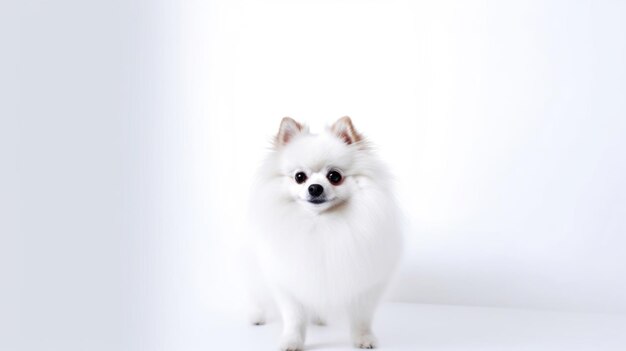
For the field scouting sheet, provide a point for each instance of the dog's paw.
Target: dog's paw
(365, 341)
(257, 321)
(291, 343)
(318, 321)
(256, 317)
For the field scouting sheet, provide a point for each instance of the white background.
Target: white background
(131, 131)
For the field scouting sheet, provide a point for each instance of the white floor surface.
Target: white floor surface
(443, 327)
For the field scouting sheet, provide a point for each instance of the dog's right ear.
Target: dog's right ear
(288, 129)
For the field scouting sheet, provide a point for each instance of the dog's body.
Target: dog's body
(326, 229)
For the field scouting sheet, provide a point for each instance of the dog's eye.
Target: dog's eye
(300, 177)
(334, 177)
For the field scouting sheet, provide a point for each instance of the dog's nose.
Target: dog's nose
(316, 189)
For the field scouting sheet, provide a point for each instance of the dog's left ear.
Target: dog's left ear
(344, 129)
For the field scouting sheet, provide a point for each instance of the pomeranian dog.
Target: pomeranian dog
(325, 231)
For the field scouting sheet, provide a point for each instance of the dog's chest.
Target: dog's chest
(327, 261)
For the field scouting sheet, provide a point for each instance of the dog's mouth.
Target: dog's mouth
(317, 201)
(321, 204)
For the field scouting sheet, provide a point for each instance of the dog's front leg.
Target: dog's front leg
(294, 322)
(361, 312)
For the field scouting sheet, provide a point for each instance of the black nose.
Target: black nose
(316, 189)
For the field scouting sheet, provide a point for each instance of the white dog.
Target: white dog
(326, 232)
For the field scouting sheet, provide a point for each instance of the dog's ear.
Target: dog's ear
(288, 129)
(344, 129)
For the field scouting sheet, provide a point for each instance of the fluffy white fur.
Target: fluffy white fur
(314, 257)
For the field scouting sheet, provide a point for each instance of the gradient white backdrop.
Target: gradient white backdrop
(134, 129)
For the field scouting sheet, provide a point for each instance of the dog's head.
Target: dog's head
(320, 170)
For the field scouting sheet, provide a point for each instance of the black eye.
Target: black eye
(300, 177)
(334, 177)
